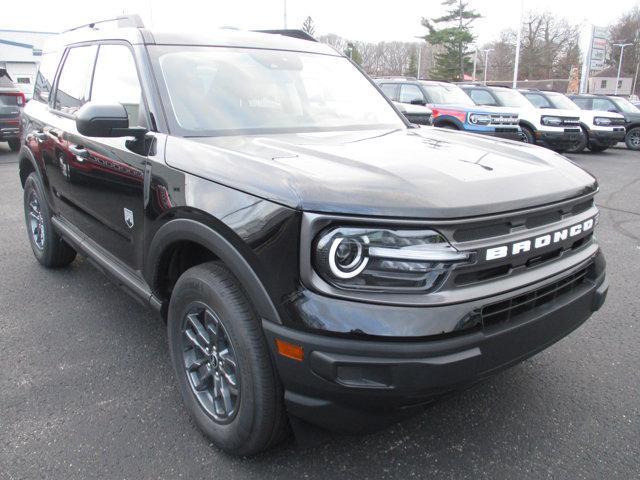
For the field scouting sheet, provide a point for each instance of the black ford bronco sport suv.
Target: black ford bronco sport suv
(315, 256)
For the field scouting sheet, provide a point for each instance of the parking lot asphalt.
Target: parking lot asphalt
(86, 388)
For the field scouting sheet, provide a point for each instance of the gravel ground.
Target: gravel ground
(86, 388)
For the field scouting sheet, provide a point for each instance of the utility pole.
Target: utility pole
(621, 45)
(285, 14)
(586, 64)
(419, 60)
(518, 40)
(486, 63)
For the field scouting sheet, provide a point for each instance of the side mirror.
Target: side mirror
(418, 101)
(105, 120)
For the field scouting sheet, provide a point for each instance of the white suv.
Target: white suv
(558, 129)
(601, 129)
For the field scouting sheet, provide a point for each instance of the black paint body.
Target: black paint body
(256, 202)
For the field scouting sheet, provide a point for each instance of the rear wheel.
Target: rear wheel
(225, 374)
(527, 136)
(14, 144)
(48, 247)
(633, 139)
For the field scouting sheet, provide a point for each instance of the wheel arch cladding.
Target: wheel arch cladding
(189, 230)
(26, 164)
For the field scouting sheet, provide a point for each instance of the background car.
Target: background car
(556, 129)
(11, 102)
(602, 129)
(619, 105)
(451, 108)
(418, 114)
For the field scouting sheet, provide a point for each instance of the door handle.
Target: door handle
(79, 151)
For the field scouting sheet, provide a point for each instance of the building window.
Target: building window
(603, 84)
(619, 83)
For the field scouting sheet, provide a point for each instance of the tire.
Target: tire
(48, 247)
(632, 139)
(527, 136)
(14, 144)
(597, 148)
(209, 295)
(581, 145)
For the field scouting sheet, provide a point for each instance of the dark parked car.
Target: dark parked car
(315, 257)
(619, 105)
(11, 102)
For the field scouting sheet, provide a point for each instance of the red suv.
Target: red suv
(11, 102)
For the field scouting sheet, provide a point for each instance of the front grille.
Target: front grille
(510, 309)
(497, 119)
(532, 220)
(570, 121)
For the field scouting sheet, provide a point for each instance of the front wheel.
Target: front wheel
(48, 247)
(597, 148)
(579, 146)
(14, 144)
(220, 355)
(527, 136)
(633, 139)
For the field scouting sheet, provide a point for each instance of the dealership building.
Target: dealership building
(20, 54)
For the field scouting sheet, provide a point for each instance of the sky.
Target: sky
(366, 20)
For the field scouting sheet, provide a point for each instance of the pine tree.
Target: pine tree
(455, 37)
(308, 26)
(412, 69)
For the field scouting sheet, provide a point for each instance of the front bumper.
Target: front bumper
(607, 138)
(559, 139)
(354, 383)
(508, 133)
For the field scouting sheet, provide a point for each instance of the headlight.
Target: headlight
(602, 121)
(551, 121)
(384, 259)
(479, 118)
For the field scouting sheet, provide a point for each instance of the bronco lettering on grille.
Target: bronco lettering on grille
(542, 241)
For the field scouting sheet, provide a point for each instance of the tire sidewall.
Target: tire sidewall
(627, 139)
(34, 184)
(530, 138)
(189, 289)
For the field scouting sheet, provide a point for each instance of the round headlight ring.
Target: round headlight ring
(355, 266)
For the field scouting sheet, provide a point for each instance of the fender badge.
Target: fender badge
(128, 217)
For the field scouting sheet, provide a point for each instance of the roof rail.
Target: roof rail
(131, 21)
(299, 34)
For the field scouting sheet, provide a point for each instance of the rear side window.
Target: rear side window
(73, 83)
(411, 93)
(583, 103)
(482, 97)
(115, 80)
(390, 90)
(538, 100)
(44, 78)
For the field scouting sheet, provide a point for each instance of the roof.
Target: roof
(611, 72)
(214, 37)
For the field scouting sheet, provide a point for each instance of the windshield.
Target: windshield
(447, 95)
(215, 90)
(625, 105)
(561, 101)
(511, 98)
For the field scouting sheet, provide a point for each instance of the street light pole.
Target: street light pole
(486, 63)
(285, 14)
(518, 39)
(621, 45)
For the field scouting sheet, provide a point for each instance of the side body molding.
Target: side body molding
(186, 229)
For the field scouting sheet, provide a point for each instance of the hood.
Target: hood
(558, 112)
(416, 173)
